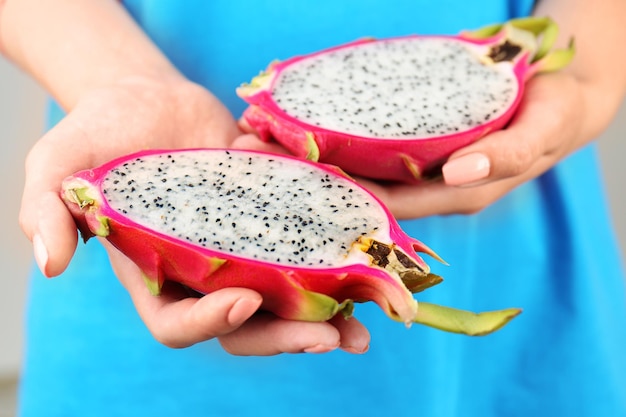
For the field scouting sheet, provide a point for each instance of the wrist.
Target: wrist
(72, 47)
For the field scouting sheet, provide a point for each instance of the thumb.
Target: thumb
(47, 223)
(543, 130)
(43, 216)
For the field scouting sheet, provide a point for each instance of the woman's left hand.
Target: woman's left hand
(551, 123)
(560, 112)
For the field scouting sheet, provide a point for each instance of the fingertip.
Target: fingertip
(55, 238)
(468, 169)
(355, 338)
(244, 126)
(355, 350)
(41, 254)
(267, 335)
(243, 308)
(227, 309)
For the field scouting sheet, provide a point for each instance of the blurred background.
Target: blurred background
(22, 104)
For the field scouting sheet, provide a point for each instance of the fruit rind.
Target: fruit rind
(409, 160)
(289, 291)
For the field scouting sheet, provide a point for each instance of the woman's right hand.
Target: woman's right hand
(122, 95)
(129, 116)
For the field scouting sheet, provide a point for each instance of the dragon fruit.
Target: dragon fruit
(302, 234)
(396, 109)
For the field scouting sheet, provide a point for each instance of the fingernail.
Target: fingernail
(241, 311)
(41, 253)
(320, 348)
(466, 169)
(355, 350)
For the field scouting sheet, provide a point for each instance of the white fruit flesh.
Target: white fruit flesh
(281, 211)
(403, 88)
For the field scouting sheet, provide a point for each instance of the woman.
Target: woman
(526, 225)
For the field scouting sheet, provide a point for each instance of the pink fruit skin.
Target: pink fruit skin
(162, 257)
(406, 160)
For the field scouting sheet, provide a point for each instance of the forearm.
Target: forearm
(73, 46)
(598, 31)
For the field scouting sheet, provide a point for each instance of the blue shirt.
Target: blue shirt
(547, 247)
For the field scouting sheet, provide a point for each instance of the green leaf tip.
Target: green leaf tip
(80, 196)
(215, 263)
(412, 166)
(260, 82)
(100, 226)
(153, 285)
(483, 32)
(315, 306)
(549, 36)
(556, 59)
(533, 24)
(312, 150)
(538, 34)
(463, 322)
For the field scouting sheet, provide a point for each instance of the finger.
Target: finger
(43, 216)
(53, 233)
(266, 334)
(545, 129)
(176, 319)
(245, 127)
(439, 198)
(436, 198)
(542, 128)
(354, 336)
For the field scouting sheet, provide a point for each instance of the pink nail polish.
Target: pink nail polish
(241, 311)
(466, 169)
(356, 351)
(41, 253)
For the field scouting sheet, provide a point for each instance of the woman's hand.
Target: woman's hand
(140, 114)
(551, 123)
(122, 95)
(560, 113)
(129, 116)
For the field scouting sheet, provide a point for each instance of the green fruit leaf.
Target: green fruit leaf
(313, 151)
(461, 321)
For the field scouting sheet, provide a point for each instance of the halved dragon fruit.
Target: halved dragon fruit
(304, 235)
(396, 109)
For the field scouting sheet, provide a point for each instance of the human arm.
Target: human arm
(122, 95)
